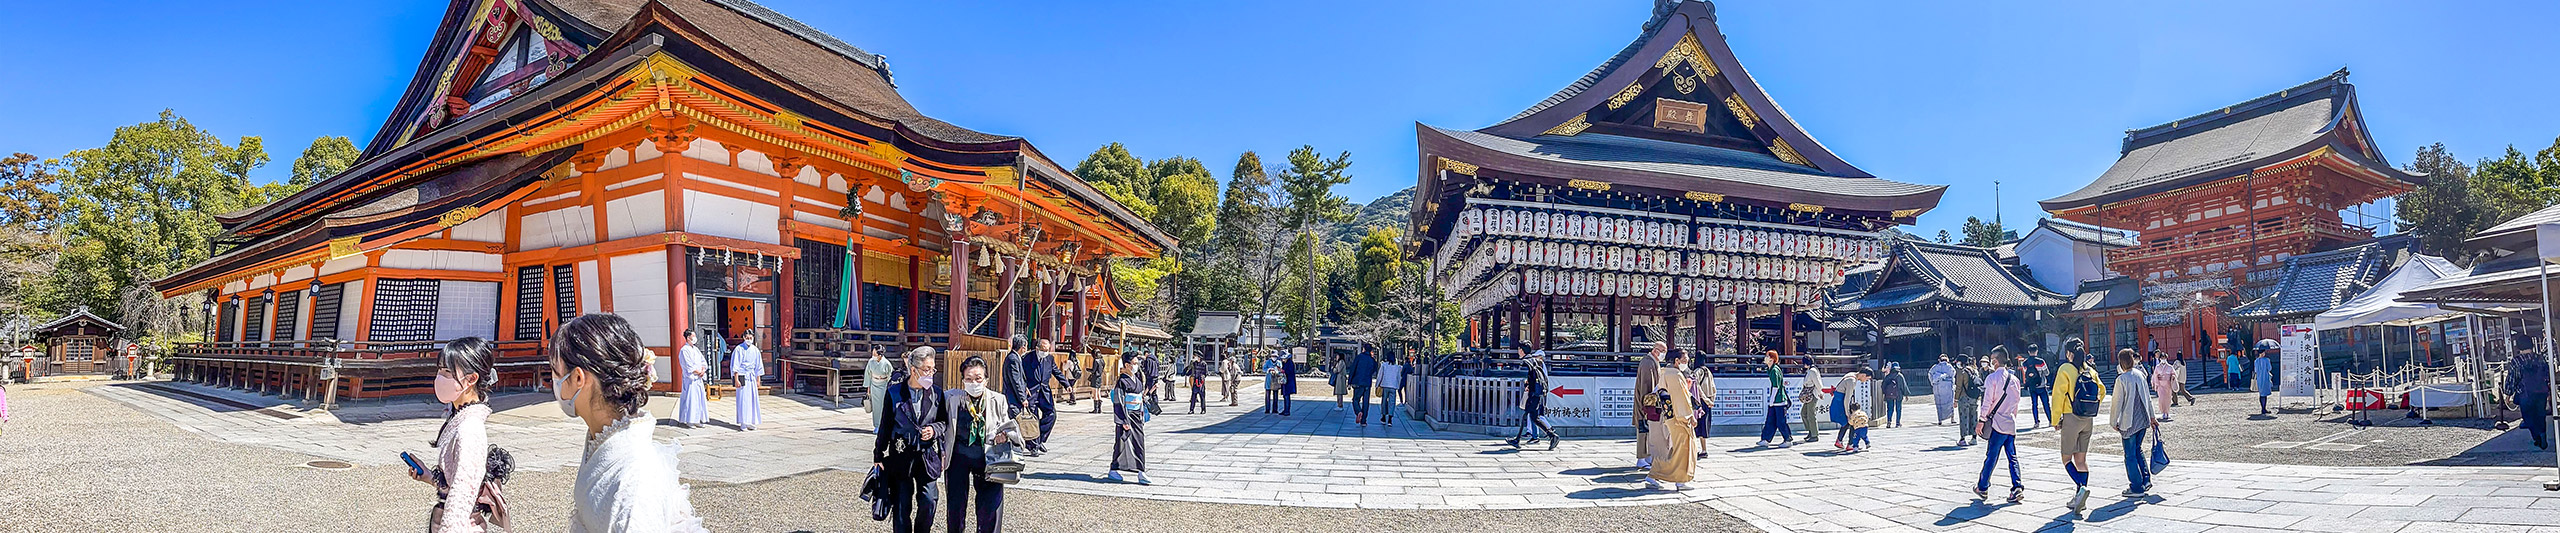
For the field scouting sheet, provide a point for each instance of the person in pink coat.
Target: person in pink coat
(2164, 381)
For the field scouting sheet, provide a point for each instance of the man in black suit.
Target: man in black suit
(1039, 368)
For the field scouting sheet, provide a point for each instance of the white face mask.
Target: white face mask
(975, 388)
(569, 404)
(447, 389)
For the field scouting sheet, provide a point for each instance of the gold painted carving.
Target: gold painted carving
(1571, 127)
(662, 69)
(1002, 177)
(458, 216)
(788, 120)
(1741, 111)
(1688, 50)
(343, 247)
(888, 152)
(1805, 207)
(1704, 196)
(1685, 84)
(1627, 95)
(1786, 152)
(1905, 213)
(1457, 166)
(1587, 185)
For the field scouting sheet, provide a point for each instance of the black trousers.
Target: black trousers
(964, 475)
(911, 496)
(1199, 398)
(2537, 418)
(1048, 407)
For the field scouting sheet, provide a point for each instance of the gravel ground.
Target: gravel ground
(2224, 426)
(77, 462)
(783, 505)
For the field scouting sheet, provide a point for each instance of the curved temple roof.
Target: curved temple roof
(2241, 137)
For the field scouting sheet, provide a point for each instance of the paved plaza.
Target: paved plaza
(1243, 462)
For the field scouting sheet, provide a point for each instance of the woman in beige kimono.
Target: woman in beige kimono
(1673, 458)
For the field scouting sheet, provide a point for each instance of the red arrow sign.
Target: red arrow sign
(1561, 391)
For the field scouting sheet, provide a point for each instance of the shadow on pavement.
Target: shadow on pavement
(1599, 470)
(1606, 493)
(1062, 476)
(1968, 513)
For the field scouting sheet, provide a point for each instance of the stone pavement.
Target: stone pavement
(1910, 482)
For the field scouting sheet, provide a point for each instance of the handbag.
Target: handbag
(2159, 452)
(1028, 422)
(1002, 465)
(873, 488)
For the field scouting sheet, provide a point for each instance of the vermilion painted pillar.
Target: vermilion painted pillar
(1786, 330)
(1742, 329)
(1004, 302)
(959, 288)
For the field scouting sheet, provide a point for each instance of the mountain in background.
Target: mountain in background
(1394, 210)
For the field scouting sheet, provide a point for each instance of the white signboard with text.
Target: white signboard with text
(1611, 401)
(2300, 347)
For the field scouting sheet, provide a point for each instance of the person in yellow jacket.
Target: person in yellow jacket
(2077, 400)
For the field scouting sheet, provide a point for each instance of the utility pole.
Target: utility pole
(1995, 207)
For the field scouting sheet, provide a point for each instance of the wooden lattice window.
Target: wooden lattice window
(404, 310)
(529, 302)
(326, 306)
(255, 329)
(288, 315)
(225, 326)
(817, 278)
(564, 293)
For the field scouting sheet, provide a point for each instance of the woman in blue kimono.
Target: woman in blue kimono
(1129, 408)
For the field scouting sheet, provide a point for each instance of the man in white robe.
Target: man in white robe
(691, 409)
(746, 368)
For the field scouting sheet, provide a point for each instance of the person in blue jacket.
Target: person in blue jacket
(2265, 373)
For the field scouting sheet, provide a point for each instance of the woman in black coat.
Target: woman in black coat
(907, 452)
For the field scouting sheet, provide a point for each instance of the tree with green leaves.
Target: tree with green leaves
(1308, 183)
(29, 210)
(1943, 237)
(1373, 271)
(2447, 210)
(1984, 234)
(327, 156)
(1186, 201)
(1122, 177)
(142, 207)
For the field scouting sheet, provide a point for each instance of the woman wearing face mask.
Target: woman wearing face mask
(626, 481)
(1129, 406)
(468, 470)
(904, 450)
(981, 425)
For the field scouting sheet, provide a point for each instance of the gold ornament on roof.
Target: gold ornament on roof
(1786, 153)
(1002, 177)
(1741, 111)
(1703, 196)
(1627, 95)
(1685, 84)
(1457, 166)
(1905, 213)
(343, 247)
(458, 216)
(1571, 127)
(1687, 50)
(1587, 185)
(1805, 207)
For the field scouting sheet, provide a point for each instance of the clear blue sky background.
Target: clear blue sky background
(2035, 94)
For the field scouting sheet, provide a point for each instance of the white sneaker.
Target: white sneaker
(1764, 444)
(2079, 499)
(1142, 479)
(1680, 486)
(1646, 462)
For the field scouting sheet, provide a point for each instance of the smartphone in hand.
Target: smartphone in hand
(416, 468)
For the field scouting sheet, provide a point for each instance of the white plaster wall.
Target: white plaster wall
(442, 260)
(636, 215)
(349, 300)
(466, 309)
(754, 161)
(723, 216)
(587, 302)
(640, 295)
(490, 227)
(707, 150)
(574, 226)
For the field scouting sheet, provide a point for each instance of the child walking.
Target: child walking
(1858, 423)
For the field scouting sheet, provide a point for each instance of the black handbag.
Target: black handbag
(874, 490)
(1002, 465)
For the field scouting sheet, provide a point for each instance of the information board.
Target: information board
(2300, 347)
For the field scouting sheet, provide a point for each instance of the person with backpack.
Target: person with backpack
(2077, 398)
(1895, 389)
(1967, 377)
(468, 470)
(1809, 393)
(2133, 418)
(1533, 403)
(1999, 428)
(2038, 383)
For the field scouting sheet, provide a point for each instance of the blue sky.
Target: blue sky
(2035, 95)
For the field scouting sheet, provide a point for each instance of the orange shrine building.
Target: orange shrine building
(2221, 200)
(703, 164)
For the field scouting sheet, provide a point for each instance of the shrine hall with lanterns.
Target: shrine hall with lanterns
(1663, 197)
(686, 164)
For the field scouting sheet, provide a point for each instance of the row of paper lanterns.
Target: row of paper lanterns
(1667, 234)
(1495, 252)
(1589, 283)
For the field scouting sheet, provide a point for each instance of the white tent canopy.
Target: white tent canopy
(2380, 305)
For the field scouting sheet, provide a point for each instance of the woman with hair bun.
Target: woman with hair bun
(626, 480)
(468, 471)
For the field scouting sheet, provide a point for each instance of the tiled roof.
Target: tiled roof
(1948, 274)
(1217, 324)
(2209, 146)
(1662, 12)
(1733, 168)
(2311, 283)
(2110, 293)
(821, 62)
(2087, 233)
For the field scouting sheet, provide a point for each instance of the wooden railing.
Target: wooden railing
(2272, 229)
(323, 369)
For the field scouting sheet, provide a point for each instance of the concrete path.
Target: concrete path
(1238, 455)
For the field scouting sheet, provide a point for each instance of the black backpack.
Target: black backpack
(1972, 385)
(2085, 395)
